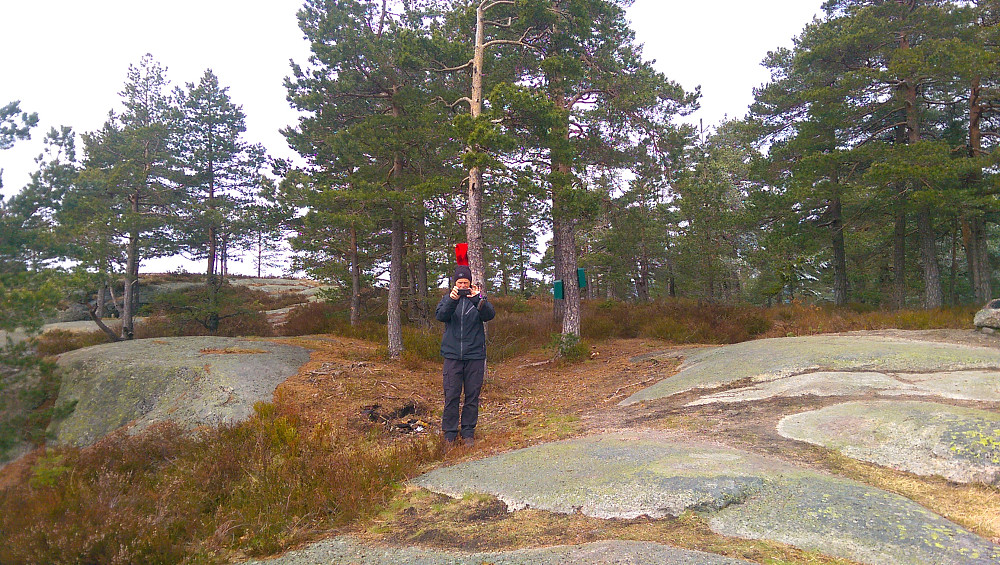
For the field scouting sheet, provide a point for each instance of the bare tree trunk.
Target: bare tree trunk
(899, 237)
(102, 299)
(928, 254)
(355, 280)
(974, 229)
(642, 279)
(131, 280)
(394, 324)
(928, 241)
(474, 213)
(131, 276)
(558, 306)
(977, 255)
(839, 253)
(213, 235)
(423, 293)
(953, 274)
(899, 254)
(571, 288)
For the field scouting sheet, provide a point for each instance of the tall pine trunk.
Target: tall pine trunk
(928, 241)
(394, 325)
(974, 227)
(355, 280)
(839, 253)
(423, 293)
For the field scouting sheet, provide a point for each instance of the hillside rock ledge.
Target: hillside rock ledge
(633, 473)
(193, 381)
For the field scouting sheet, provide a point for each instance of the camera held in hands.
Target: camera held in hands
(464, 292)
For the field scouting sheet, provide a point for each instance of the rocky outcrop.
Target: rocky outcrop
(191, 380)
(768, 360)
(635, 473)
(960, 444)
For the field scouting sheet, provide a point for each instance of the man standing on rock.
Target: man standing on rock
(463, 346)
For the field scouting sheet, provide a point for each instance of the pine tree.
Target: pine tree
(128, 190)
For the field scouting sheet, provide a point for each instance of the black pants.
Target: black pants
(460, 375)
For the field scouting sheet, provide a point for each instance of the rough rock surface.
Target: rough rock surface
(960, 444)
(771, 359)
(191, 380)
(346, 551)
(988, 316)
(634, 473)
(958, 385)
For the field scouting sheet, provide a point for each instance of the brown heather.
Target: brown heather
(170, 497)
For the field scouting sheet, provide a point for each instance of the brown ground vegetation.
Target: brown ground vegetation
(318, 462)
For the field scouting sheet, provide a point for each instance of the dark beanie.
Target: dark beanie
(463, 272)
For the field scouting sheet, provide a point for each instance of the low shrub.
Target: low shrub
(570, 348)
(54, 342)
(309, 319)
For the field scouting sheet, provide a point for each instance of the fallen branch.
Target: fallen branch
(538, 364)
(621, 389)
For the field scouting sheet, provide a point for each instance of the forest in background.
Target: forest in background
(864, 173)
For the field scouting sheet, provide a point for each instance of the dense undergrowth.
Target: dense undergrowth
(264, 485)
(522, 325)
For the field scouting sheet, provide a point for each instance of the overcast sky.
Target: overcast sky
(67, 59)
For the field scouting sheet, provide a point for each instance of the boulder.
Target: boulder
(989, 317)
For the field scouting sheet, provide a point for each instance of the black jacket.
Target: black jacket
(464, 338)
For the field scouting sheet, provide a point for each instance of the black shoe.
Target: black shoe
(468, 441)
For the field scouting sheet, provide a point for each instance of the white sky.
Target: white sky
(67, 59)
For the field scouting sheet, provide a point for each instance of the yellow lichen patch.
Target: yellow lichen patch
(974, 506)
(231, 351)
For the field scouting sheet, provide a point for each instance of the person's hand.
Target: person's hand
(454, 293)
(474, 290)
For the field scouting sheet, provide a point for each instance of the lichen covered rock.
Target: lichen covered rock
(193, 381)
(960, 444)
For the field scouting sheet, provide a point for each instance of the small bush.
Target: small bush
(422, 343)
(54, 342)
(570, 348)
(310, 319)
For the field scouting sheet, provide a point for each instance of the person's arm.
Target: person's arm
(486, 311)
(445, 308)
